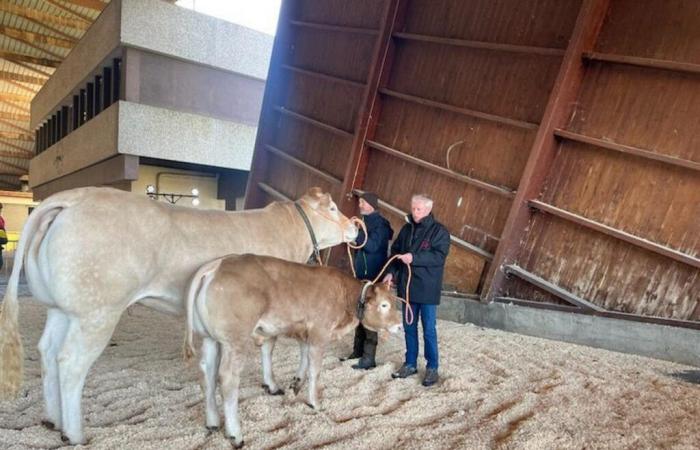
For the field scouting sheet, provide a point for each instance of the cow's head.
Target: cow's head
(330, 226)
(380, 311)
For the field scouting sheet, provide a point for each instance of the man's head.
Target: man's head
(368, 203)
(421, 206)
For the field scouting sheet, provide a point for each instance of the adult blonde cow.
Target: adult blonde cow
(89, 253)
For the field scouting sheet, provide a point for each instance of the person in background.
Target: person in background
(423, 244)
(3, 237)
(368, 261)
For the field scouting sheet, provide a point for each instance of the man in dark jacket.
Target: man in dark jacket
(423, 243)
(369, 260)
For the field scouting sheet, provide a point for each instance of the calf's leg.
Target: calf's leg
(315, 360)
(230, 375)
(269, 383)
(298, 381)
(209, 364)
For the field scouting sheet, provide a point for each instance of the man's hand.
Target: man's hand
(388, 278)
(406, 258)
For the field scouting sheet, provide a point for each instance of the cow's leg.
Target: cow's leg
(49, 345)
(298, 381)
(269, 383)
(84, 342)
(230, 375)
(315, 360)
(209, 363)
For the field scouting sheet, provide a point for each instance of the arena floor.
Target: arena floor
(499, 390)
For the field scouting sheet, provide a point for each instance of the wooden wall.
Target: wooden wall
(559, 138)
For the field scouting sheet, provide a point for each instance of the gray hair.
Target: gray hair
(423, 198)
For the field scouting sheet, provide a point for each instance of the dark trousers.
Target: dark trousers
(365, 343)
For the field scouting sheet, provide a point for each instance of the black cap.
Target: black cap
(371, 198)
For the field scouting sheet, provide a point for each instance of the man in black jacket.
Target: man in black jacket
(423, 243)
(369, 260)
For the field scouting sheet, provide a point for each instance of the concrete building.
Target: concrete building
(153, 94)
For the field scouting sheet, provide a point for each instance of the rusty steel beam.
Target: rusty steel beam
(36, 38)
(617, 234)
(629, 150)
(14, 116)
(40, 17)
(299, 163)
(317, 123)
(18, 57)
(663, 64)
(511, 48)
(14, 155)
(366, 122)
(559, 107)
(334, 28)
(551, 288)
(483, 185)
(11, 76)
(96, 5)
(65, 8)
(459, 110)
(323, 76)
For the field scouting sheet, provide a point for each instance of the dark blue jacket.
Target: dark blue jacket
(429, 243)
(370, 259)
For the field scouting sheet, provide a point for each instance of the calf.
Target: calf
(247, 298)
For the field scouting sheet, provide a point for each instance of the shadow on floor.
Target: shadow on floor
(690, 376)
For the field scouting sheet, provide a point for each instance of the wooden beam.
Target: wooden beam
(663, 64)
(551, 288)
(646, 154)
(14, 116)
(42, 17)
(17, 127)
(96, 5)
(459, 110)
(23, 170)
(18, 57)
(14, 105)
(11, 76)
(31, 68)
(618, 234)
(483, 185)
(318, 124)
(16, 147)
(511, 48)
(60, 5)
(468, 246)
(299, 163)
(35, 38)
(334, 28)
(16, 136)
(269, 120)
(15, 155)
(561, 102)
(15, 97)
(21, 86)
(323, 76)
(273, 193)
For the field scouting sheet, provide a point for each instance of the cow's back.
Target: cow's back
(109, 243)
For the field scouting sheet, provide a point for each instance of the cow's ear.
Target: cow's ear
(313, 197)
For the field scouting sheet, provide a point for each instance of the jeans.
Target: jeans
(428, 318)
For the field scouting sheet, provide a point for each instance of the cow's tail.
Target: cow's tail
(11, 352)
(198, 286)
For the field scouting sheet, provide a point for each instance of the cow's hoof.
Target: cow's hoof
(48, 424)
(277, 391)
(236, 445)
(212, 430)
(64, 438)
(310, 405)
(296, 385)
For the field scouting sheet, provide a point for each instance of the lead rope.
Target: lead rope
(407, 301)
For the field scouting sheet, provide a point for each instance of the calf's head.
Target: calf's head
(381, 311)
(330, 226)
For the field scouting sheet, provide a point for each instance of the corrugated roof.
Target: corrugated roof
(35, 35)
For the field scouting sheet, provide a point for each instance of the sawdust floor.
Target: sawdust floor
(498, 390)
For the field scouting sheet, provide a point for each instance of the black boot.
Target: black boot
(358, 344)
(370, 350)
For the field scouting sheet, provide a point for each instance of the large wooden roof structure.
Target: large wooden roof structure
(35, 36)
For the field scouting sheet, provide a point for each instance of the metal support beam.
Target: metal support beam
(511, 48)
(673, 66)
(559, 107)
(299, 163)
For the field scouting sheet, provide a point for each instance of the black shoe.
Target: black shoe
(365, 364)
(352, 355)
(404, 372)
(431, 377)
